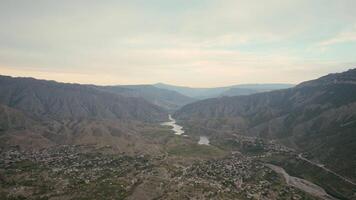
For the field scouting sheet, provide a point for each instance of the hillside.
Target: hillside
(317, 117)
(13, 119)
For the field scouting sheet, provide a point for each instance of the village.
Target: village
(78, 169)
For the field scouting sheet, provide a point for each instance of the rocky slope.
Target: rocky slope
(13, 119)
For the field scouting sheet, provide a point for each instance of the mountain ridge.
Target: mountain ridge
(204, 93)
(168, 99)
(41, 98)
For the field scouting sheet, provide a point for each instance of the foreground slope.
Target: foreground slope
(317, 117)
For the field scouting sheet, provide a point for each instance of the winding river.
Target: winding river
(178, 130)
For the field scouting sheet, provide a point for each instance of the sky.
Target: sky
(198, 43)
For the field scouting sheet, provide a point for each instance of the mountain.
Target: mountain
(48, 99)
(204, 93)
(37, 114)
(317, 117)
(198, 93)
(167, 99)
(240, 92)
(247, 89)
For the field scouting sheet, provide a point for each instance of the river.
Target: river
(203, 140)
(178, 130)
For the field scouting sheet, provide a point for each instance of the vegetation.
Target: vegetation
(195, 150)
(300, 168)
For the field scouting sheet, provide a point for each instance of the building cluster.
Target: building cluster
(261, 145)
(74, 163)
(238, 174)
(72, 168)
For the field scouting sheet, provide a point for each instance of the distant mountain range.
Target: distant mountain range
(39, 113)
(167, 99)
(172, 97)
(317, 117)
(235, 90)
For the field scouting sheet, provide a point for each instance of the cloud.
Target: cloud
(198, 43)
(342, 37)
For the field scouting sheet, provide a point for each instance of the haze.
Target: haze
(195, 43)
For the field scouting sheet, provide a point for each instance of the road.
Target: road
(302, 184)
(326, 169)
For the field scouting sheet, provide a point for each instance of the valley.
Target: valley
(178, 100)
(134, 142)
(184, 168)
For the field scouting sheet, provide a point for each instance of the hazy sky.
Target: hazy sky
(184, 42)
